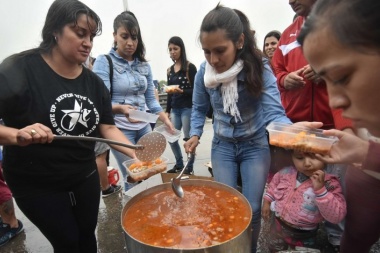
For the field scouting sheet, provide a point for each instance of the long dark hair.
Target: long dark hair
(61, 13)
(234, 23)
(354, 23)
(179, 42)
(129, 21)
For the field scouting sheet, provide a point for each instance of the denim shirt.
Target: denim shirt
(132, 84)
(256, 112)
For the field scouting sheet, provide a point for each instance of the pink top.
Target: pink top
(301, 206)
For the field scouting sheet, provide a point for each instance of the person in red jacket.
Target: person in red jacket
(303, 93)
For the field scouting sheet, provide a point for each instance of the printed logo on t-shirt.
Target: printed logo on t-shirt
(73, 114)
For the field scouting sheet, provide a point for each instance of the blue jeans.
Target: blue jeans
(181, 119)
(133, 136)
(251, 159)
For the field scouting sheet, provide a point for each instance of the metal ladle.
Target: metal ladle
(176, 182)
(149, 147)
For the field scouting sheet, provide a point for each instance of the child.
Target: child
(301, 196)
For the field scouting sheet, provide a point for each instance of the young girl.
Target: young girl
(301, 196)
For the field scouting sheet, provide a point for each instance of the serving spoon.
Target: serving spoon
(176, 182)
(149, 147)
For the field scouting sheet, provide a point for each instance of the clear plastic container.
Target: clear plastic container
(169, 137)
(143, 116)
(299, 138)
(170, 88)
(138, 170)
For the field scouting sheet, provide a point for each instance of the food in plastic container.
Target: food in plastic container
(171, 88)
(299, 138)
(143, 116)
(169, 137)
(138, 170)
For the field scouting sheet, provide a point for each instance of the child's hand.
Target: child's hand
(265, 210)
(318, 179)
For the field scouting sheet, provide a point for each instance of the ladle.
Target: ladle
(176, 182)
(149, 147)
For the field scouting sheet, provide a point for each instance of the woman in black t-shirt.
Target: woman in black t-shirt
(45, 92)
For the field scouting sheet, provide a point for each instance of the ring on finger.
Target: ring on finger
(33, 132)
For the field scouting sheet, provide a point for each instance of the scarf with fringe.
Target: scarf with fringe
(228, 79)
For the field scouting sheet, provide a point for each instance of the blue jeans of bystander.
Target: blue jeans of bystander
(181, 120)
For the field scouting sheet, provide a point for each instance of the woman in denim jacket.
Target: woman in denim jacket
(244, 96)
(132, 82)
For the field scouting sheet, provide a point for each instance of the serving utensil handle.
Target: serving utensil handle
(86, 138)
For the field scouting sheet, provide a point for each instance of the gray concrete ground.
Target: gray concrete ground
(109, 232)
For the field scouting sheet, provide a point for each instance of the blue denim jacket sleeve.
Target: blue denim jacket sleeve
(201, 103)
(271, 101)
(150, 98)
(102, 69)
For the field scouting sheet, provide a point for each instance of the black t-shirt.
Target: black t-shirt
(31, 92)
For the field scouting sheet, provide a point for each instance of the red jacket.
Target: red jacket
(311, 102)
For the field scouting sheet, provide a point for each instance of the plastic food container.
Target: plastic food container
(143, 116)
(170, 88)
(303, 139)
(169, 137)
(138, 170)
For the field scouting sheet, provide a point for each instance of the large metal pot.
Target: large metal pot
(239, 244)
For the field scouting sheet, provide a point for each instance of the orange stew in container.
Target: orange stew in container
(206, 216)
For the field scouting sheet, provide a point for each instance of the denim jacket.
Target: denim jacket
(132, 84)
(256, 112)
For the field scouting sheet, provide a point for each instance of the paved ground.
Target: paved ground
(109, 232)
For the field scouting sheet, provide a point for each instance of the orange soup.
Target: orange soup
(206, 216)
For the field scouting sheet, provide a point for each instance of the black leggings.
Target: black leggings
(67, 218)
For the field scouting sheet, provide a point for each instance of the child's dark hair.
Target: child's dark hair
(129, 21)
(234, 23)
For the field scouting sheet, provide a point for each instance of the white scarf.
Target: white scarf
(229, 86)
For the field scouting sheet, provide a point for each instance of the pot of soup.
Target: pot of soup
(211, 217)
